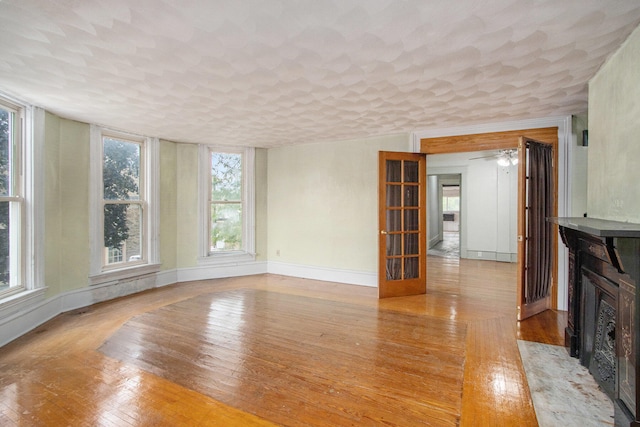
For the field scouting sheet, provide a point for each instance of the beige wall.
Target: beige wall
(168, 205)
(261, 189)
(187, 205)
(52, 212)
(323, 203)
(66, 205)
(614, 136)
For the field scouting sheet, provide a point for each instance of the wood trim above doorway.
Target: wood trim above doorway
(487, 141)
(498, 141)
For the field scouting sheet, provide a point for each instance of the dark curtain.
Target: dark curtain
(539, 231)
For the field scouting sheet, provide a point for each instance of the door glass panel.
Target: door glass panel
(411, 268)
(394, 269)
(394, 171)
(411, 195)
(410, 171)
(394, 244)
(394, 222)
(394, 195)
(411, 244)
(411, 220)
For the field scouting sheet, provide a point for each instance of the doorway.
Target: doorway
(444, 226)
(507, 140)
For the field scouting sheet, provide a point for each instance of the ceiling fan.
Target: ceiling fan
(505, 157)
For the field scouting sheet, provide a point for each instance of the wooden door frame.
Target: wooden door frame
(501, 141)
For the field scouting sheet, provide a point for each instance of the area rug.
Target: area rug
(297, 360)
(564, 393)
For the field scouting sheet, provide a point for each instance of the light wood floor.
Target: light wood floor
(273, 350)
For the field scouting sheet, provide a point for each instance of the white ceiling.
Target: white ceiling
(274, 72)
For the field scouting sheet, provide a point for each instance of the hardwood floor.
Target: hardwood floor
(274, 350)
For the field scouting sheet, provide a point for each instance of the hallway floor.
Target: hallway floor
(449, 247)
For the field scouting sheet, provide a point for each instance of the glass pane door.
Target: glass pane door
(403, 243)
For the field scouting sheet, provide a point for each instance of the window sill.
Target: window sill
(124, 273)
(227, 258)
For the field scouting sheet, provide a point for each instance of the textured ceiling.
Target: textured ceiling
(274, 72)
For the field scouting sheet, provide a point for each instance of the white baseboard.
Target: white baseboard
(350, 277)
(434, 241)
(506, 257)
(204, 272)
(26, 311)
(486, 255)
(30, 312)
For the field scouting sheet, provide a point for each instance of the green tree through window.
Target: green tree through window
(226, 202)
(121, 178)
(5, 190)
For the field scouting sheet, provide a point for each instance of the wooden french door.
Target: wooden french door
(402, 224)
(536, 240)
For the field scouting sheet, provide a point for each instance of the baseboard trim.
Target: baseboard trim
(204, 272)
(31, 309)
(32, 312)
(434, 241)
(351, 277)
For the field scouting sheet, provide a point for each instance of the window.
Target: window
(11, 199)
(123, 200)
(126, 203)
(227, 201)
(451, 198)
(451, 204)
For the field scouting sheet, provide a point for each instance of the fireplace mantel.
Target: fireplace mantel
(604, 270)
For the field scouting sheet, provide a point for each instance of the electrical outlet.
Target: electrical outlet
(479, 254)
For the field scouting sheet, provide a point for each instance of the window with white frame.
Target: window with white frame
(123, 201)
(227, 204)
(11, 197)
(125, 206)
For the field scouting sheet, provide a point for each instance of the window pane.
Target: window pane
(226, 177)
(411, 244)
(226, 227)
(5, 152)
(394, 244)
(394, 269)
(411, 268)
(123, 232)
(394, 195)
(394, 171)
(410, 171)
(121, 171)
(394, 220)
(411, 220)
(411, 195)
(5, 246)
(451, 203)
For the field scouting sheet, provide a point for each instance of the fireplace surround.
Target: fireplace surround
(602, 321)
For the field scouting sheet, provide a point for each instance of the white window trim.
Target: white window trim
(248, 226)
(32, 221)
(151, 169)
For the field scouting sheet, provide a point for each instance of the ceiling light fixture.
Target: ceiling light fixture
(508, 157)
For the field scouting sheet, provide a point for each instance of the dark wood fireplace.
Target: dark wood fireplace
(604, 270)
